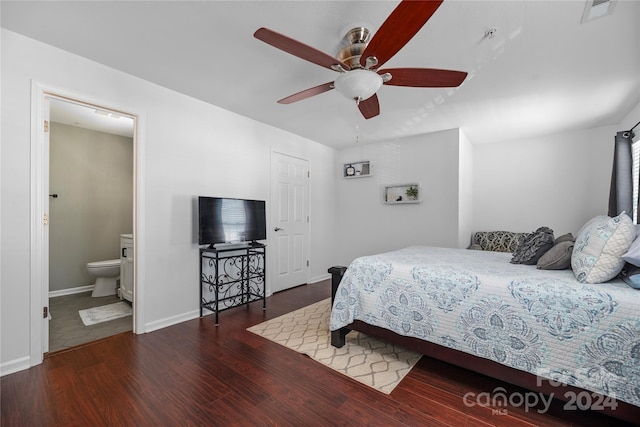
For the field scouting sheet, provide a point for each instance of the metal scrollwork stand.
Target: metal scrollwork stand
(230, 277)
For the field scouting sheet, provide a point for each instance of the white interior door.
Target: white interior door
(289, 214)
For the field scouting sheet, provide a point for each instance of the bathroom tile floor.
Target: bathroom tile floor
(66, 329)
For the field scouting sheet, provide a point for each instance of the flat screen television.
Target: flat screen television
(224, 220)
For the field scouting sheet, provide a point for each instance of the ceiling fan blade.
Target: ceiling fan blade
(297, 48)
(307, 93)
(370, 107)
(424, 77)
(403, 23)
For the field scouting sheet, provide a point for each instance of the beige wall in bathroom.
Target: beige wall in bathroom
(92, 173)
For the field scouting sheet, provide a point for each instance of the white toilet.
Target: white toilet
(106, 274)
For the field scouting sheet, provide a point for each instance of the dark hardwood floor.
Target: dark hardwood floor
(197, 374)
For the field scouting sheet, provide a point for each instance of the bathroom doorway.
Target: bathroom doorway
(91, 205)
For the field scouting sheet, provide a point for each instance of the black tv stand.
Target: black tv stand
(232, 276)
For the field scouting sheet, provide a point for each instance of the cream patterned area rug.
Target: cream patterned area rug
(91, 316)
(368, 360)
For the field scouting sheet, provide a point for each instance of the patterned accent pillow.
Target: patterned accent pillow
(533, 246)
(597, 253)
(498, 241)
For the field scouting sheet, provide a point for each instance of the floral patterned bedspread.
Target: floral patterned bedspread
(540, 321)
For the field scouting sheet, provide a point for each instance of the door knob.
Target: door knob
(277, 229)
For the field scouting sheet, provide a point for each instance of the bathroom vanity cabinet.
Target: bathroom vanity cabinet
(230, 277)
(126, 267)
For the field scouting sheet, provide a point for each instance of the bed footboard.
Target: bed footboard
(337, 337)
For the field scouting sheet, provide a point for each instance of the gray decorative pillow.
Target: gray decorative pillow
(533, 247)
(558, 257)
(565, 238)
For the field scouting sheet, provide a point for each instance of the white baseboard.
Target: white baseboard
(174, 320)
(70, 291)
(170, 321)
(14, 366)
(320, 278)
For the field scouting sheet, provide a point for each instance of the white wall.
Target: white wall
(559, 181)
(630, 120)
(369, 226)
(465, 192)
(92, 173)
(190, 148)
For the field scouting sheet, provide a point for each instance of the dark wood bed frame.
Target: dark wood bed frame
(623, 411)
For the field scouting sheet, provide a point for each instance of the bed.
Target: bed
(539, 329)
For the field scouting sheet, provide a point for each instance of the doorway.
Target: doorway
(91, 200)
(289, 213)
(41, 96)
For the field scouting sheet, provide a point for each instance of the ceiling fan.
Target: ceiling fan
(359, 62)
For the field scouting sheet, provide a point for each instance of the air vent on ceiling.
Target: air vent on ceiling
(594, 9)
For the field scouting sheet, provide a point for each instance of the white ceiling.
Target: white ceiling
(80, 115)
(543, 72)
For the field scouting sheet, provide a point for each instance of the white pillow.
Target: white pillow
(597, 253)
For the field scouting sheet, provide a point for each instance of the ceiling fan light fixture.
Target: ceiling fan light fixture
(358, 84)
